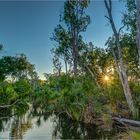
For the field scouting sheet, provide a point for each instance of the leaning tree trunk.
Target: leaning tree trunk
(138, 28)
(126, 87)
(124, 78)
(124, 83)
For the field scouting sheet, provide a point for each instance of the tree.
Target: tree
(121, 70)
(63, 49)
(138, 27)
(57, 65)
(131, 20)
(77, 21)
(87, 56)
(16, 67)
(130, 16)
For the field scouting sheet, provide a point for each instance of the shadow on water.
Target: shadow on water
(33, 125)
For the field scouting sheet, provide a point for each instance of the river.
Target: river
(48, 127)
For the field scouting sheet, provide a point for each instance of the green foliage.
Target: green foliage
(22, 87)
(130, 16)
(21, 108)
(80, 20)
(135, 135)
(16, 67)
(7, 93)
(135, 87)
(62, 94)
(10, 92)
(16, 75)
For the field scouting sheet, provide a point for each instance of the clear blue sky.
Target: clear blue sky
(26, 27)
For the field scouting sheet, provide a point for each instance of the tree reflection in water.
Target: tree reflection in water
(20, 126)
(65, 128)
(62, 127)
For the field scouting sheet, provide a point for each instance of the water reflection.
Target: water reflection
(38, 125)
(19, 127)
(68, 129)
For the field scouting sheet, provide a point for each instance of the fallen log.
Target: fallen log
(127, 121)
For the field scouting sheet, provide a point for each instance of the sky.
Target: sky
(26, 27)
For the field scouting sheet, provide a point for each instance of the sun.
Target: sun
(106, 78)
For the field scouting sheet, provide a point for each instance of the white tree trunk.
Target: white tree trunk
(123, 77)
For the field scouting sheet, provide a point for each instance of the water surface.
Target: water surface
(48, 127)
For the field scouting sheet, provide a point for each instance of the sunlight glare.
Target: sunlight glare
(106, 78)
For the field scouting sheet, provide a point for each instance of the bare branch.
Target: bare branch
(121, 29)
(106, 5)
(107, 17)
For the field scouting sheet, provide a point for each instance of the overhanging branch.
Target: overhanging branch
(7, 106)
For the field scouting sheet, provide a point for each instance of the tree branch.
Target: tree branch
(121, 29)
(107, 17)
(7, 117)
(7, 106)
(110, 5)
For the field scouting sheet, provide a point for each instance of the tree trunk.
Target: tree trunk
(123, 77)
(66, 66)
(75, 62)
(116, 65)
(59, 72)
(75, 54)
(138, 28)
(75, 43)
(126, 89)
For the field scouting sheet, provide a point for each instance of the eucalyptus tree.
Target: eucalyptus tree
(130, 51)
(121, 69)
(129, 40)
(132, 18)
(57, 65)
(87, 59)
(77, 21)
(24, 67)
(63, 46)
